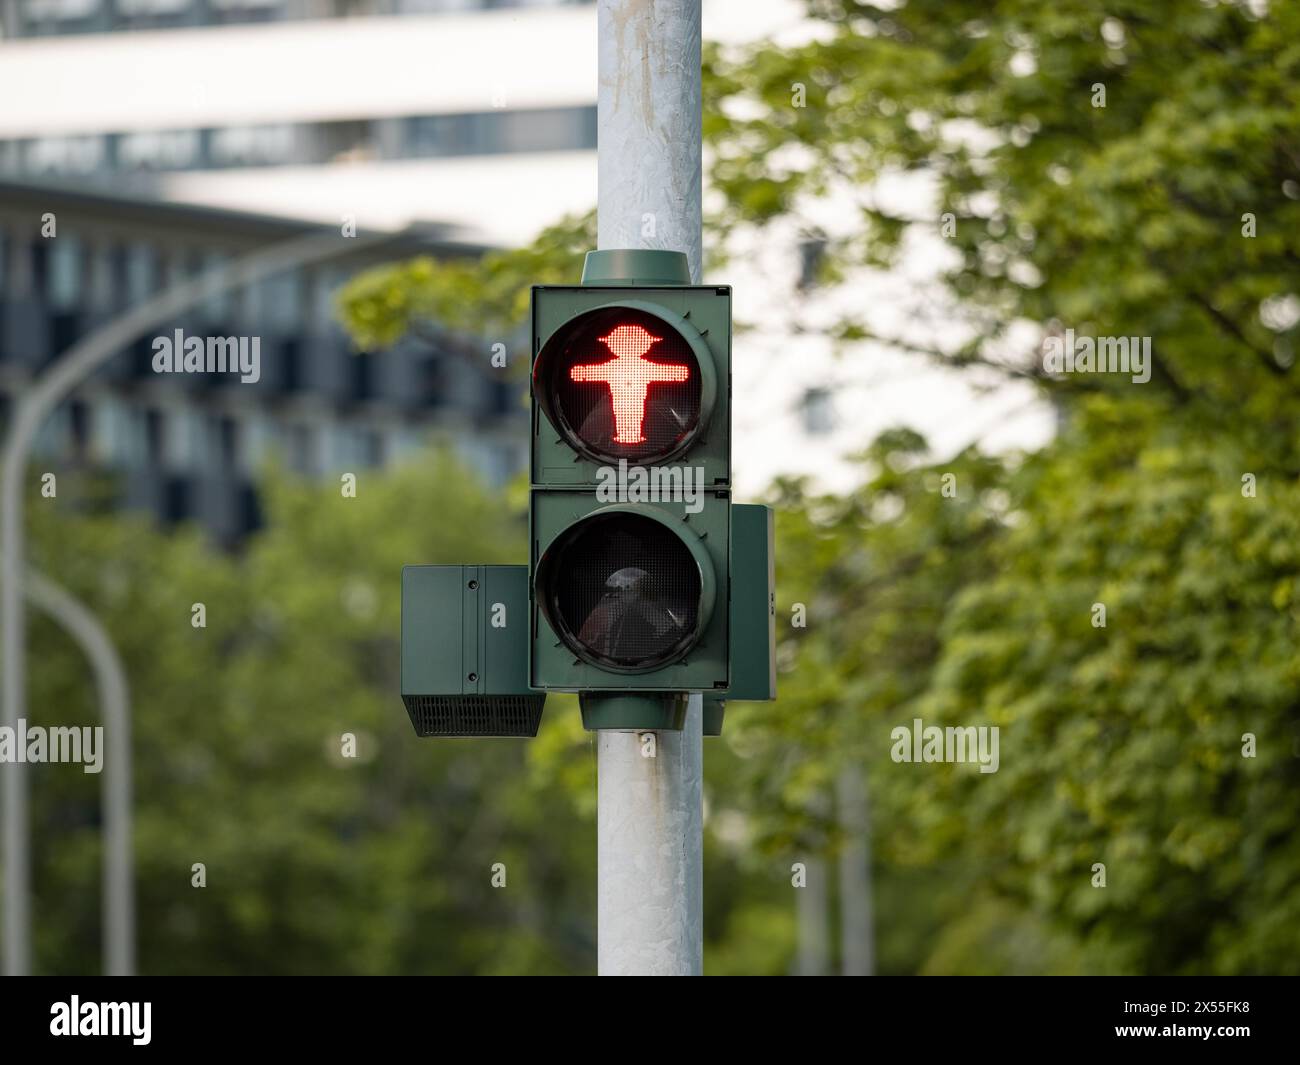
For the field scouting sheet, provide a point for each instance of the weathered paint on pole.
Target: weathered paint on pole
(650, 919)
(648, 127)
(650, 831)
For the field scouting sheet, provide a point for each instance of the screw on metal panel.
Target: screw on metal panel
(473, 585)
(473, 677)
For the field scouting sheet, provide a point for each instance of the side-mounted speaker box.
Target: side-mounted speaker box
(465, 651)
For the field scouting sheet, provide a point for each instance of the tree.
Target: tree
(270, 746)
(314, 861)
(1124, 170)
(1170, 212)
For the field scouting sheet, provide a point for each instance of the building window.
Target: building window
(65, 274)
(38, 256)
(155, 437)
(261, 433)
(324, 287)
(141, 273)
(147, 8)
(65, 155)
(406, 442)
(175, 269)
(542, 130)
(245, 5)
(159, 150)
(302, 449)
(252, 145)
(216, 306)
(228, 443)
(280, 302)
(80, 435)
(101, 281)
(818, 411)
(59, 10)
(440, 135)
(812, 255)
(130, 449)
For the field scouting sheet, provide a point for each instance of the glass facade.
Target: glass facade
(47, 18)
(111, 155)
(318, 408)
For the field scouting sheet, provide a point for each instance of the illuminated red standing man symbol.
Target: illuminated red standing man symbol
(629, 375)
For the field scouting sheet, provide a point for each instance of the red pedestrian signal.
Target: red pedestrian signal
(629, 375)
(630, 497)
(622, 383)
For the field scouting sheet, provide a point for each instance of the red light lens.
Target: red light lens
(628, 376)
(625, 385)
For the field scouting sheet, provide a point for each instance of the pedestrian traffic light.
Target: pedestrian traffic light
(644, 582)
(631, 479)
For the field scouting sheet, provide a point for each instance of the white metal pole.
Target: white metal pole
(857, 931)
(650, 827)
(648, 126)
(110, 679)
(812, 921)
(650, 919)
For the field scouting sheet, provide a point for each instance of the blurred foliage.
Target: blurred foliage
(1120, 745)
(1122, 219)
(470, 297)
(1173, 211)
(316, 863)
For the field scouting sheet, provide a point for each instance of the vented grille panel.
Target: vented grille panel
(475, 715)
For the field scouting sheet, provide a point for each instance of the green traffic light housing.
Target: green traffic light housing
(631, 480)
(644, 581)
(642, 337)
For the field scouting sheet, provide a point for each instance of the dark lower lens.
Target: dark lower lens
(624, 591)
